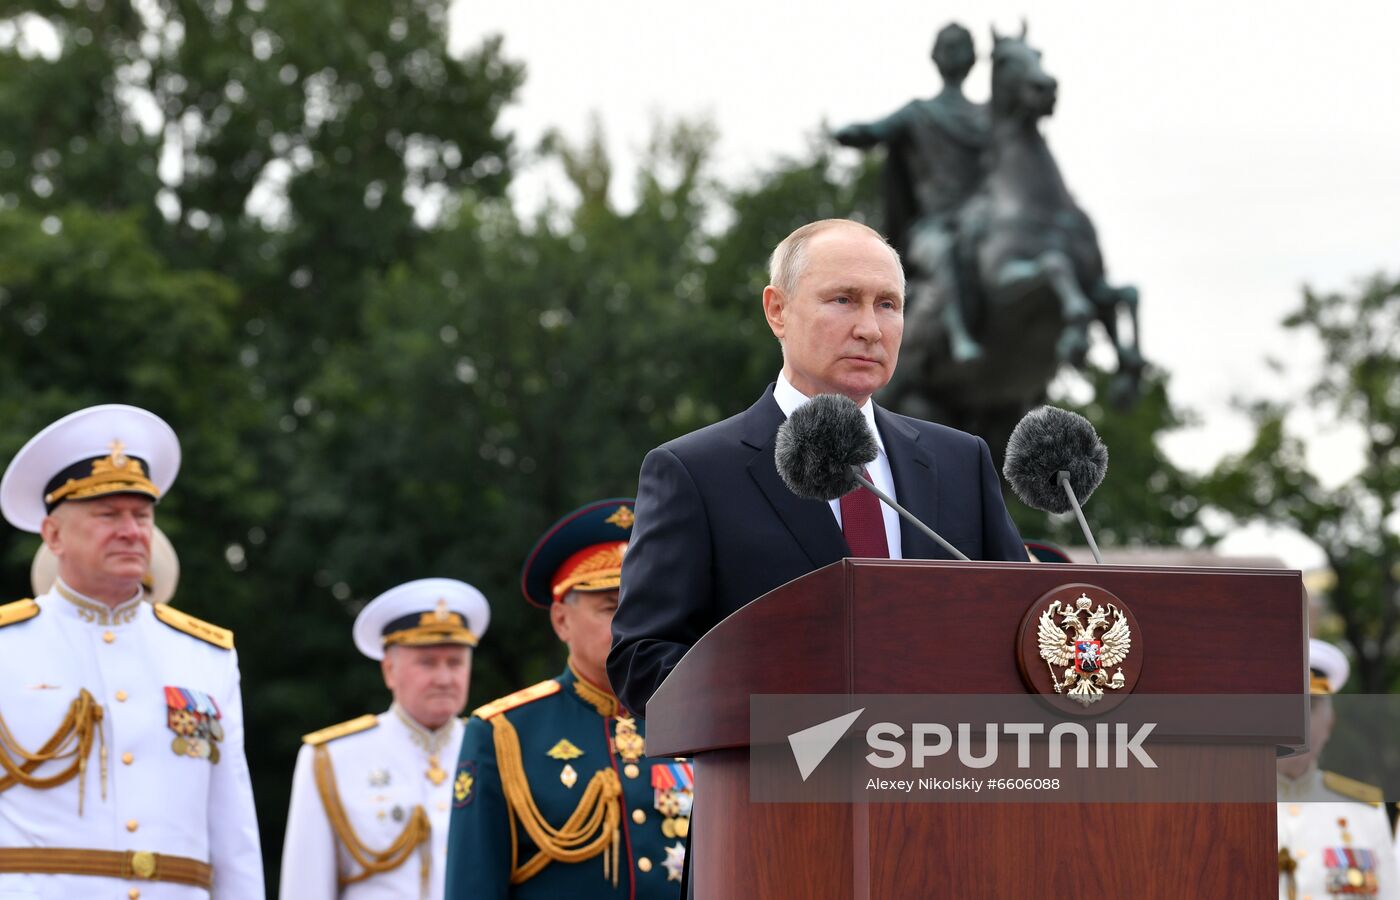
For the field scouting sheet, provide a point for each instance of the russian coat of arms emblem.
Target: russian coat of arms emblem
(1080, 642)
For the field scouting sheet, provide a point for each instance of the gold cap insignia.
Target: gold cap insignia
(623, 518)
(111, 474)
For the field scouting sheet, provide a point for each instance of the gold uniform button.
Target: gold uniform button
(127, 758)
(108, 636)
(1294, 810)
(134, 894)
(638, 816)
(1300, 854)
(644, 864)
(631, 770)
(132, 825)
(121, 696)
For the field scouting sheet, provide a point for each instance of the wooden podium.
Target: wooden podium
(872, 627)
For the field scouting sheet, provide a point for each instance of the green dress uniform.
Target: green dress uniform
(536, 809)
(554, 795)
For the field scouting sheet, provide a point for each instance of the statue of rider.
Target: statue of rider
(935, 163)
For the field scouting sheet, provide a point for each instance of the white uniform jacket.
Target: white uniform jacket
(161, 689)
(1339, 844)
(381, 765)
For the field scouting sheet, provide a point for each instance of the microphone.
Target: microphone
(821, 449)
(1054, 461)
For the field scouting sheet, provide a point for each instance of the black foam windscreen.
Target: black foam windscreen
(820, 443)
(1047, 441)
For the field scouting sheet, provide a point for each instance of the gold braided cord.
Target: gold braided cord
(414, 835)
(72, 739)
(591, 830)
(599, 699)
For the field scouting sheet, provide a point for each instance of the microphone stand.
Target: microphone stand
(1083, 525)
(938, 539)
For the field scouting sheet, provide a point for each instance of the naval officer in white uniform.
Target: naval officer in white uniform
(1333, 834)
(122, 772)
(372, 797)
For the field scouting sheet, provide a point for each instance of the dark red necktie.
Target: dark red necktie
(864, 523)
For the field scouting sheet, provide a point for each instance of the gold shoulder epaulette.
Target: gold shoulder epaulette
(183, 621)
(1350, 787)
(519, 698)
(330, 733)
(18, 611)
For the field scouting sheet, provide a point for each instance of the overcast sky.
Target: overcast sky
(1228, 153)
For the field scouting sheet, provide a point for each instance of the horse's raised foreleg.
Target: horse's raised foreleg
(1053, 269)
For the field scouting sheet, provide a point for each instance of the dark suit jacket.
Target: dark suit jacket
(716, 528)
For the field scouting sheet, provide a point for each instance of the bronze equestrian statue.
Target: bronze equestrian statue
(1003, 286)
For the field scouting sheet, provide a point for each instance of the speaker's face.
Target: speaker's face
(842, 326)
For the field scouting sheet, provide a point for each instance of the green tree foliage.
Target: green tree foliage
(1357, 523)
(200, 201)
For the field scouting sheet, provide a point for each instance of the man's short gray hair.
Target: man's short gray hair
(790, 256)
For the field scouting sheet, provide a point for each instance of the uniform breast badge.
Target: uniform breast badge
(629, 745)
(1077, 641)
(564, 750)
(673, 787)
(194, 717)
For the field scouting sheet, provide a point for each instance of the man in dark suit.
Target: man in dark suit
(715, 525)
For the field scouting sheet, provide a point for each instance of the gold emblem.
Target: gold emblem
(1088, 642)
(568, 776)
(118, 457)
(441, 614)
(564, 751)
(462, 787)
(435, 773)
(143, 864)
(623, 518)
(627, 742)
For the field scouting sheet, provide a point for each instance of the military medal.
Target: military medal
(674, 862)
(194, 717)
(435, 773)
(1350, 870)
(673, 787)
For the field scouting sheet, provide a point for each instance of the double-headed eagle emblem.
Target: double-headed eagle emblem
(1075, 642)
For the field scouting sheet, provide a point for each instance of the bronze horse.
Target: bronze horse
(1021, 281)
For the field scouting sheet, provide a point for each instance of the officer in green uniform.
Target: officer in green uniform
(554, 795)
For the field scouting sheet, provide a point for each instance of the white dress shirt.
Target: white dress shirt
(790, 399)
(153, 798)
(380, 774)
